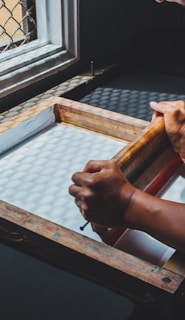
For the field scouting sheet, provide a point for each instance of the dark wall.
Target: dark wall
(110, 30)
(115, 28)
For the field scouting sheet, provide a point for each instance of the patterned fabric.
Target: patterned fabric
(133, 103)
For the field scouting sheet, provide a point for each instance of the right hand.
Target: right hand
(174, 119)
(182, 2)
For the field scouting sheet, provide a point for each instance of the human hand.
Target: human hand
(102, 193)
(174, 119)
(182, 2)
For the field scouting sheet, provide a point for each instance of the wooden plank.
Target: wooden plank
(28, 114)
(20, 127)
(149, 140)
(16, 225)
(99, 120)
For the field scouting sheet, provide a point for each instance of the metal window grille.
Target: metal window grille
(17, 23)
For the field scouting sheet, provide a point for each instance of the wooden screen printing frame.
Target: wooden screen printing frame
(148, 161)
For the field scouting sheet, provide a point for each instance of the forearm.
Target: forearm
(162, 219)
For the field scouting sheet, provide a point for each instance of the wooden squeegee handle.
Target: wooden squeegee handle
(137, 155)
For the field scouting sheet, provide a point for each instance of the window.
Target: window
(18, 23)
(50, 46)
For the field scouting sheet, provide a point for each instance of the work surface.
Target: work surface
(36, 174)
(32, 289)
(36, 167)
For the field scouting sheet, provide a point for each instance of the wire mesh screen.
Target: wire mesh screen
(17, 23)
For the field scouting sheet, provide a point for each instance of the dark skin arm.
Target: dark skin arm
(124, 205)
(107, 199)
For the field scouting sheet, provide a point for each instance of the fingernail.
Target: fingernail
(153, 103)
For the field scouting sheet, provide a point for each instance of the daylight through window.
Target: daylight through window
(37, 38)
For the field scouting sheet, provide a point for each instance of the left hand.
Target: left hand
(102, 193)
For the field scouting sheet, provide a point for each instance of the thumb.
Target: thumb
(155, 106)
(94, 166)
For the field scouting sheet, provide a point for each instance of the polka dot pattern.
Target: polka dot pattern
(36, 174)
(133, 103)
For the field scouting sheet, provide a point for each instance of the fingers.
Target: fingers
(162, 107)
(85, 177)
(93, 172)
(75, 190)
(154, 115)
(78, 178)
(95, 166)
(182, 2)
(84, 180)
(80, 191)
(81, 205)
(168, 106)
(174, 118)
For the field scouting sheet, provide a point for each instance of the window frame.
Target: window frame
(56, 47)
